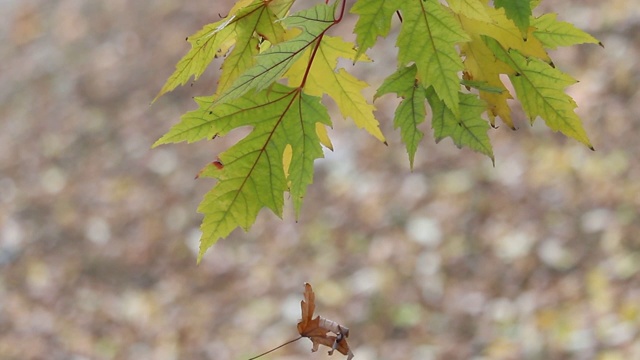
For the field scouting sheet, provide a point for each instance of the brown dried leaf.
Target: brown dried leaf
(320, 330)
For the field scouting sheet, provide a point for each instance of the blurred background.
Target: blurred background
(535, 258)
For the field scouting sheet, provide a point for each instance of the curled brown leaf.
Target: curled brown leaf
(319, 330)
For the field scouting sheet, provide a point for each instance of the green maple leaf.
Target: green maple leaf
(258, 21)
(428, 37)
(519, 11)
(540, 89)
(411, 111)
(205, 46)
(255, 171)
(374, 20)
(275, 61)
(553, 33)
(216, 39)
(469, 129)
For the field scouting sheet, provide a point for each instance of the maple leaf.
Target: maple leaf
(540, 89)
(468, 130)
(374, 20)
(271, 64)
(502, 29)
(428, 37)
(258, 21)
(411, 110)
(253, 175)
(344, 88)
(553, 33)
(473, 9)
(216, 39)
(318, 329)
(481, 64)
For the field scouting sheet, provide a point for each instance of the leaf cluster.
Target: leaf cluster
(455, 62)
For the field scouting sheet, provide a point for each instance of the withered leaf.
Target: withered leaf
(319, 330)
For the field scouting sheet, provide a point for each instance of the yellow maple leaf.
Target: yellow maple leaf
(475, 9)
(344, 88)
(506, 33)
(480, 64)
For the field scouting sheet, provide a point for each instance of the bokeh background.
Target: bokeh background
(535, 258)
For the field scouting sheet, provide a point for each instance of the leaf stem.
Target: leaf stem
(319, 40)
(313, 56)
(276, 348)
(344, 4)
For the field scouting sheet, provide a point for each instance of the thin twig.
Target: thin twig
(274, 349)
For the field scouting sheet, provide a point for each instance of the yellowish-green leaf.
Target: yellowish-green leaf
(540, 89)
(400, 82)
(411, 111)
(374, 20)
(473, 9)
(258, 20)
(280, 7)
(195, 125)
(481, 65)
(254, 172)
(468, 130)
(553, 33)
(408, 115)
(344, 88)
(428, 38)
(205, 46)
(211, 41)
(275, 61)
(505, 31)
(239, 60)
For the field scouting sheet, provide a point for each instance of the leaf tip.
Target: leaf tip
(160, 93)
(157, 143)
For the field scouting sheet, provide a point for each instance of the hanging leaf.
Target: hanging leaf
(319, 330)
